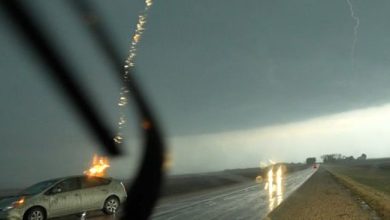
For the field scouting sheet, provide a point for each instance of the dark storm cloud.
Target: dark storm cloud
(207, 66)
(240, 65)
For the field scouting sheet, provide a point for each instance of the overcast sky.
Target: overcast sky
(234, 83)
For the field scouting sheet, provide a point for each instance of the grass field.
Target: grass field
(371, 176)
(370, 179)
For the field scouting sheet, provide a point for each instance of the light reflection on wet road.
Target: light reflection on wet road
(247, 201)
(252, 201)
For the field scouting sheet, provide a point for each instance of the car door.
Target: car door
(94, 192)
(65, 197)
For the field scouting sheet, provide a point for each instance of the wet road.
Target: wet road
(251, 201)
(246, 201)
(94, 215)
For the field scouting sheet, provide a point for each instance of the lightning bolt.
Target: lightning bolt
(130, 63)
(355, 30)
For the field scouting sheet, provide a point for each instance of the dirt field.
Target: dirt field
(322, 197)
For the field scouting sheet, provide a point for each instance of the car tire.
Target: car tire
(111, 205)
(35, 213)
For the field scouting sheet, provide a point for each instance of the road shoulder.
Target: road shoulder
(321, 197)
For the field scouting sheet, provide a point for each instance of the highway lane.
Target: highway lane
(247, 202)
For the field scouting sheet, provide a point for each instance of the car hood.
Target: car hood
(7, 201)
(4, 202)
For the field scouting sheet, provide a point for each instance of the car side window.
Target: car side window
(88, 182)
(67, 185)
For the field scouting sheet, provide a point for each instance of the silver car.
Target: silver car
(64, 196)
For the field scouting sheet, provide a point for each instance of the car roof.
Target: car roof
(74, 176)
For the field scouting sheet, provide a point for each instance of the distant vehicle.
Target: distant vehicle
(64, 196)
(314, 166)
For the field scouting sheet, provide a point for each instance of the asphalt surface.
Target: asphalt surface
(250, 201)
(245, 201)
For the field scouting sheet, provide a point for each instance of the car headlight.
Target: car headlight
(15, 204)
(18, 202)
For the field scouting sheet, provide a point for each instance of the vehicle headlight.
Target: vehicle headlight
(15, 204)
(18, 202)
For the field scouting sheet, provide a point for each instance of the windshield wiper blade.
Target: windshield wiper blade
(60, 73)
(145, 189)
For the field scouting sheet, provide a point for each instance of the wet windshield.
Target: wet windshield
(273, 109)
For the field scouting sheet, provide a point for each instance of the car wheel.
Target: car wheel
(35, 214)
(111, 205)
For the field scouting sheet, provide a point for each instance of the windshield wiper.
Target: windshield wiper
(145, 189)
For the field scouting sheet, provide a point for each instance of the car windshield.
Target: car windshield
(38, 188)
(269, 109)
